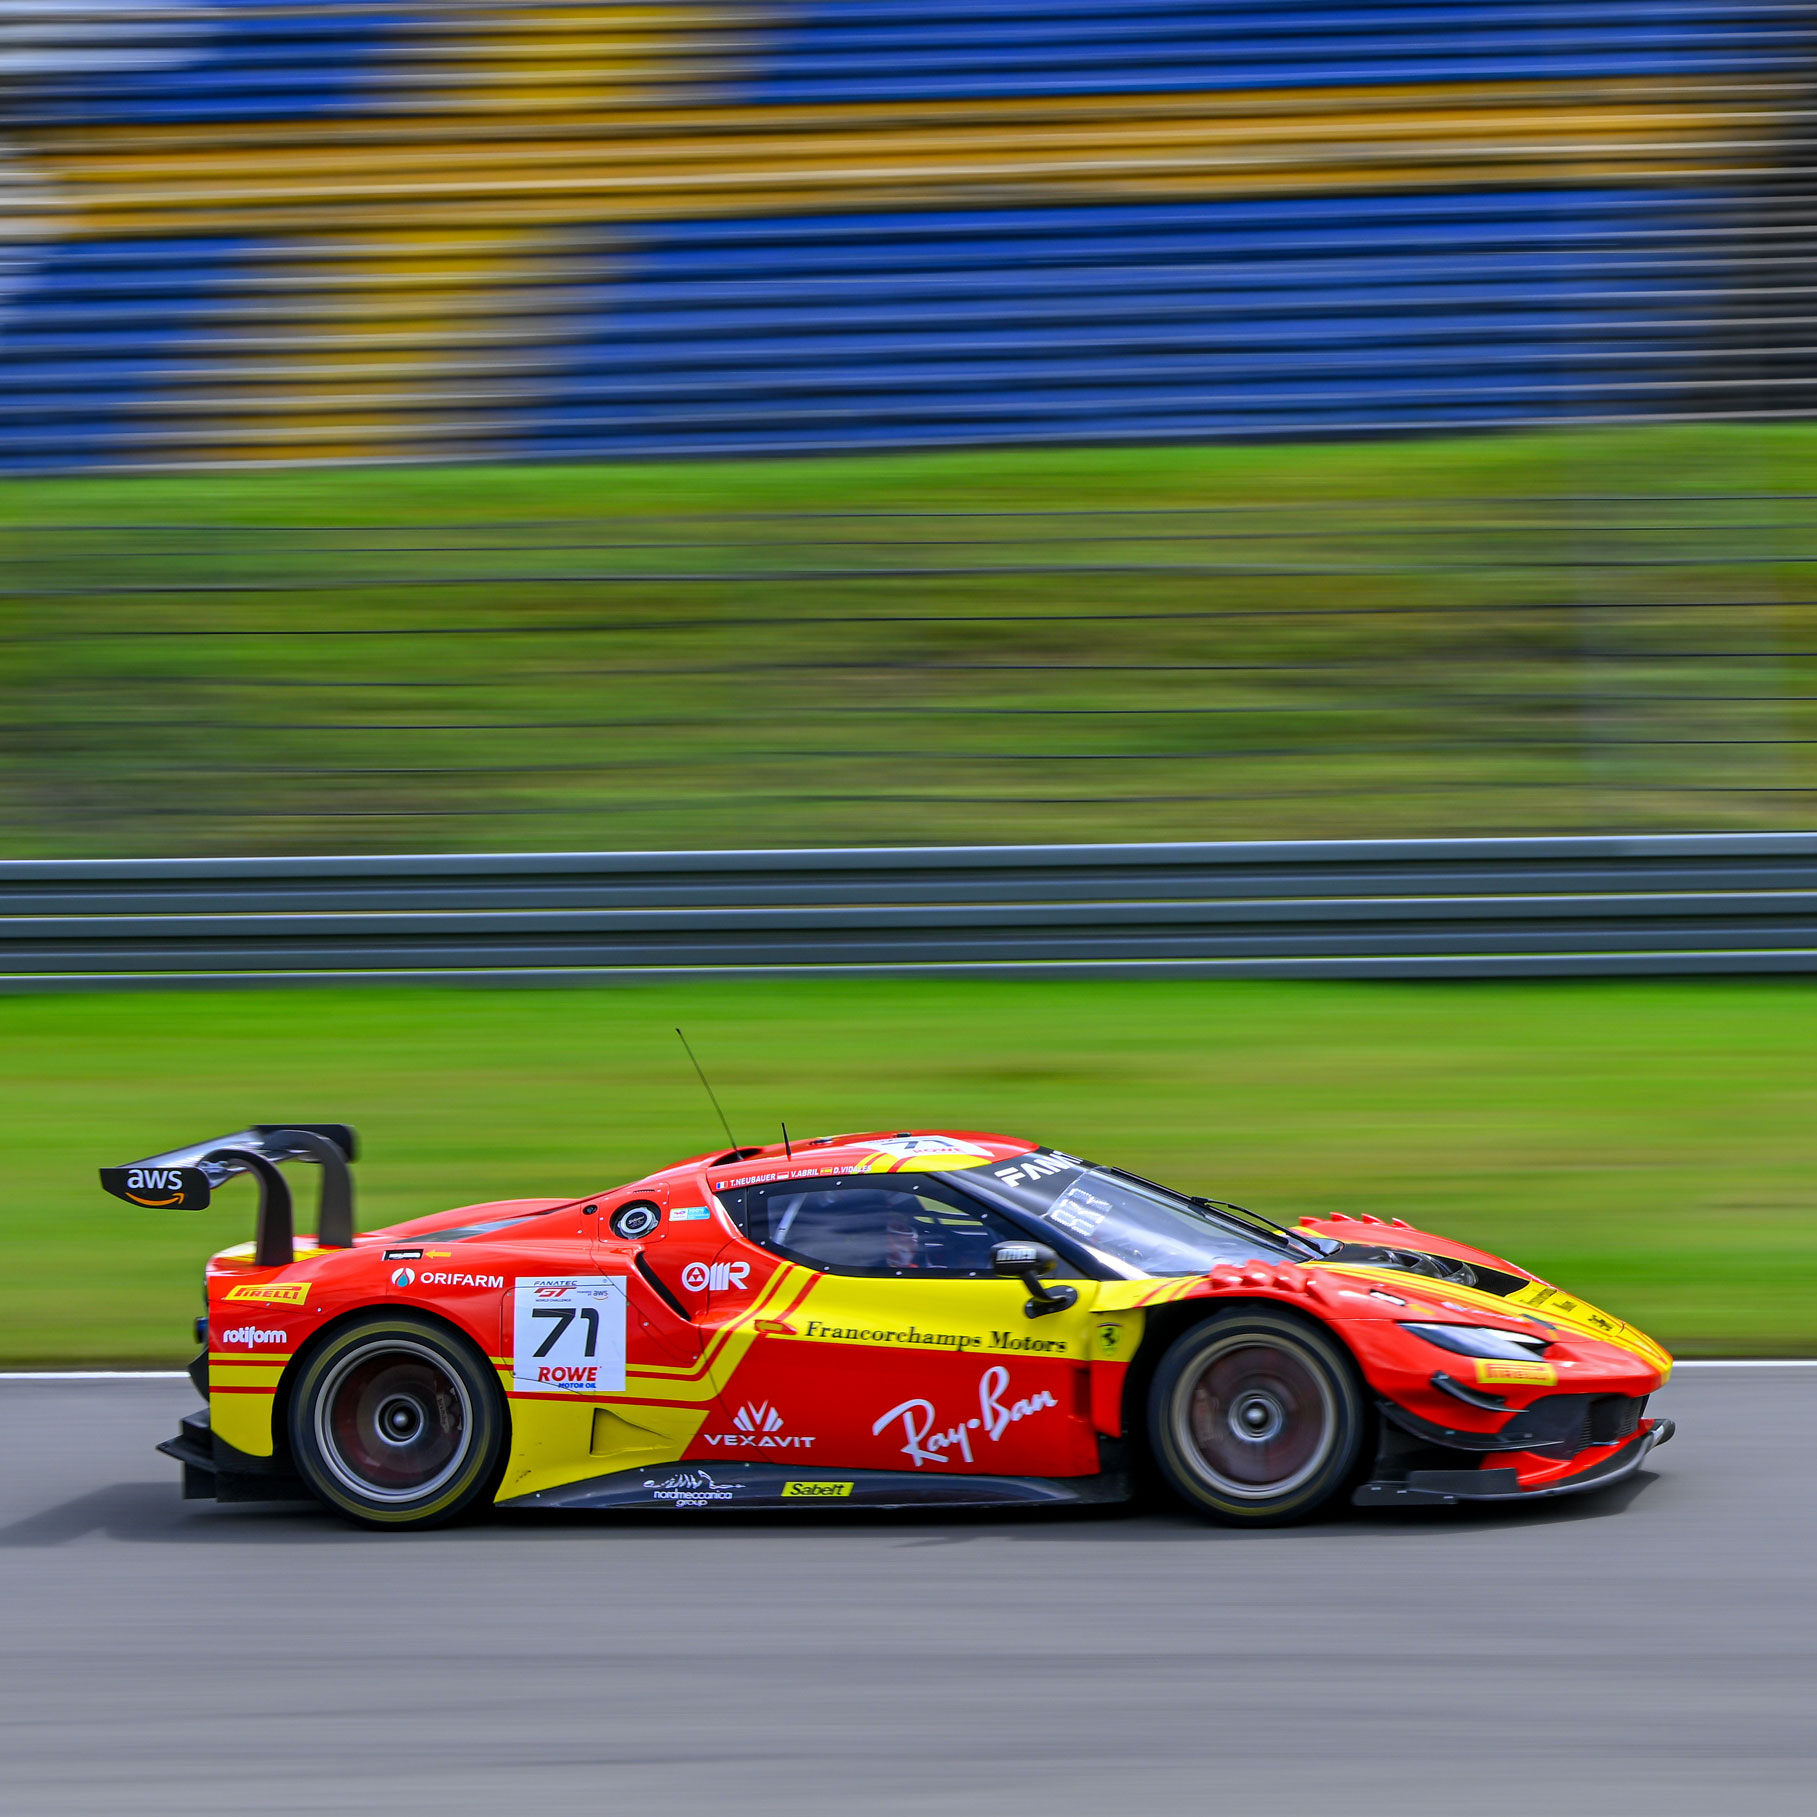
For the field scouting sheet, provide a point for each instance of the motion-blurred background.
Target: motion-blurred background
(434, 427)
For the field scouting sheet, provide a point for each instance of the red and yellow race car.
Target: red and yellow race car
(910, 1318)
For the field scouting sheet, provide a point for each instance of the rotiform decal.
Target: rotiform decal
(255, 1334)
(929, 1441)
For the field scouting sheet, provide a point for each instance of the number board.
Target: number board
(568, 1335)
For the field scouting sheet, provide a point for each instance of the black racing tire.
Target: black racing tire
(1256, 1417)
(397, 1422)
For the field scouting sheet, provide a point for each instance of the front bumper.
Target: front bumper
(1446, 1488)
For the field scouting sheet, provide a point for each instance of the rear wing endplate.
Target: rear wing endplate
(185, 1179)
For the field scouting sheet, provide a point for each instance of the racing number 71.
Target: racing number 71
(564, 1316)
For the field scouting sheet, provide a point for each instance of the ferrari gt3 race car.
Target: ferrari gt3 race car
(903, 1319)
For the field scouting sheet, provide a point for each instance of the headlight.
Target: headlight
(1481, 1340)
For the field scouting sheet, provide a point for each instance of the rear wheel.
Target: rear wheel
(396, 1422)
(1256, 1417)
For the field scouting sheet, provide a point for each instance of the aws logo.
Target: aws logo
(167, 1180)
(158, 1187)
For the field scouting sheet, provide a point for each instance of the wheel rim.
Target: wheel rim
(393, 1422)
(1256, 1417)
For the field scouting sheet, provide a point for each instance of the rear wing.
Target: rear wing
(185, 1179)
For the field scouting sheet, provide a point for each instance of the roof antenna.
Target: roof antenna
(731, 1140)
(786, 1149)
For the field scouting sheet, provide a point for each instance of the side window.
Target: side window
(871, 1226)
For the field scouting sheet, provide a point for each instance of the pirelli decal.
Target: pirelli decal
(273, 1293)
(1494, 1372)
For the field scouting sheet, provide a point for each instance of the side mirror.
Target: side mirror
(1028, 1262)
(1023, 1259)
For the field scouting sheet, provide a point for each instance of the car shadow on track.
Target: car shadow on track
(154, 1513)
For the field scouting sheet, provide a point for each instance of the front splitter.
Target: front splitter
(1447, 1488)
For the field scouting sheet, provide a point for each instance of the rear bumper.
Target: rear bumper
(1447, 1488)
(214, 1470)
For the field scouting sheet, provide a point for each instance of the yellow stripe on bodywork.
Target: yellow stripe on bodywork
(244, 1421)
(1543, 1302)
(591, 165)
(557, 1441)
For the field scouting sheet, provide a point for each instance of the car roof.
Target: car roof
(873, 1151)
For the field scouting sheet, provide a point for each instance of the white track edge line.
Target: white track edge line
(181, 1375)
(94, 1375)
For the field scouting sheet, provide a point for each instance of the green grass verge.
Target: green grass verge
(1447, 636)
(1651, 1145)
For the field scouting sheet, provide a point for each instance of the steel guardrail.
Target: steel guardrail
(1608, 905)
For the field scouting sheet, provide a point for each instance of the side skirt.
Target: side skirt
(734, 1486)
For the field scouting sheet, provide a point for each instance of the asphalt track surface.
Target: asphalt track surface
(1651, 1649)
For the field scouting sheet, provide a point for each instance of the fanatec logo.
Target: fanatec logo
(757, 1426)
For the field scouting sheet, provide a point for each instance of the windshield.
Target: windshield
(1130, 1225)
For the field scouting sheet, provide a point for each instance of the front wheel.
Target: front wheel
(1256, 1417)
(396, 1422)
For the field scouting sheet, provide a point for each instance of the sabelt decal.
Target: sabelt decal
(1491, 1371)
(569, 1335)
(929, 1441)
(814, 1491)
(273, 1293)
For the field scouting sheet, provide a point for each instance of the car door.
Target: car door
(888, 1343)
